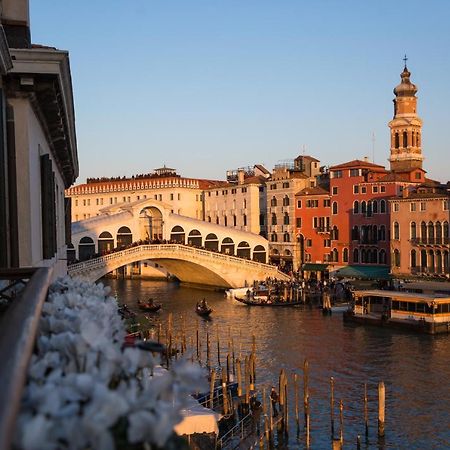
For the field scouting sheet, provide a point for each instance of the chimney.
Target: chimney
(405, 192)
(241, 176)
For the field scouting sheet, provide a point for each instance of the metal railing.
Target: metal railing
(242, 430)
(430, 240)
(18, 328)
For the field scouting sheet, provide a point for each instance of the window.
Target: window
(413, 261)
(354, 172)
(327, 203)
(413, 230)
(309, 242)
(363, 189)
(286, 201)
(423, 206)
(363, 207)
(225, 221)
(334, 209)
(336, 174)
(355, 255)
(396, 258)
(286, 219)
(345, 255)
(374, 206)
(244, 190)
(418, 176)
(245, 220)
(356, 189)
(234, 220)
(299, 204)
(383, 206)
(396, 231)
(445, 205)
(374, 189)
(76, 202)
(334, 255)
(355, 207)
(274, 219)
(286, 237)
(412, 206)
(327, 242)
(171, 196)
(335, 190)
(273, 237)
(273, 202)
(298, 222)
(286, 185)
(273, 186)
(382, 188)
(395, 207)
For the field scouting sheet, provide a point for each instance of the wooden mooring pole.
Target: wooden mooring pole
(366, 412)
(332, 405)
(381, 407)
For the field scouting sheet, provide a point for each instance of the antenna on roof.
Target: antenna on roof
(304, 149)
(373, 147)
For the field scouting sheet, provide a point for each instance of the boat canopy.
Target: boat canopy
(366, 272)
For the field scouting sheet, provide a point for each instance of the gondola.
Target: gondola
(149, 306)
(260, 302)
(203, 311)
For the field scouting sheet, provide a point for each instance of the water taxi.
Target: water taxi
(424, 313)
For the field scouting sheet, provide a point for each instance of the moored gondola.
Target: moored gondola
(149, 306)
(263, 301)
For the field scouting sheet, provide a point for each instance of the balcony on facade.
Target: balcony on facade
(430, 241)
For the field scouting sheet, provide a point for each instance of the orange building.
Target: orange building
(312, 221)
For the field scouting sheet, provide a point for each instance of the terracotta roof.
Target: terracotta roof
(357, 163)
(311, 158)
(420, 196)
(317, 190)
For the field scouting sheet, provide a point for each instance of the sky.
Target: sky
(205, 86)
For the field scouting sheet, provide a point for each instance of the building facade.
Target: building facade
(286, 181)
(184, 195)
(420, 232)
(312, 222)
(38, 152)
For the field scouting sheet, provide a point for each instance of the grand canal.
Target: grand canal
(414, 368)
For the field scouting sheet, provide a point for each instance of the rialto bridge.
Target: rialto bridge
(193, 250)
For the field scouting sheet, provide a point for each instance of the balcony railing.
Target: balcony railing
(430, 241)
(18, 327)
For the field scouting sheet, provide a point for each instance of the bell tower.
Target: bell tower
(406, 127)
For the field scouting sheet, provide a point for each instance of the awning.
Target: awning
(373, 272)
(311, 267)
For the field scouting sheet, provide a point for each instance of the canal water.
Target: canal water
(414, 368)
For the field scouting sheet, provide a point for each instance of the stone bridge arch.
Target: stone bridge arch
(189, 265)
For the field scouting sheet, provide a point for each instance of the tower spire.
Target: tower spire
(406, 126)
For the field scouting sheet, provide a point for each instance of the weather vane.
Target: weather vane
(405, 59)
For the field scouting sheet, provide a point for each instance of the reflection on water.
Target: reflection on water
(414, 368)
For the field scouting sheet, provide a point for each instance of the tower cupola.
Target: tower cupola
(406, 127)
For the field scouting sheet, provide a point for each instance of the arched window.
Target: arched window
(86, 248)
(363, 207)
(105, 242)
(375, 207)
(335, 233)
(286, 237)
(405, 139)
(212, 242)
(177, 234)
(273, 202)
(397, 141)
(418, 139)
(195, 238)
(355, 207)
(382, 257)
(423, 231)
(423, 260)
(396, 258)
(345, 255)
(355, 255)
(438, 233)
(355, 233)
(382, 233)
(124, 237)
(431, 261)
(273, 237)
(438, 261)
(334, 208)
(413, 231)
(274, 219)
(413, 261)
(396, 234)
(446, 262)
(445, 232)
(243, 250)
(227, 246)
(286, 201)
(413, 139)
(334, 255)
(382, 206)
(363, 256)
(430, 232)
(259, 254)
(286, 218)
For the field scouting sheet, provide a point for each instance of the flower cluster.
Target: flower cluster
(84, 390)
